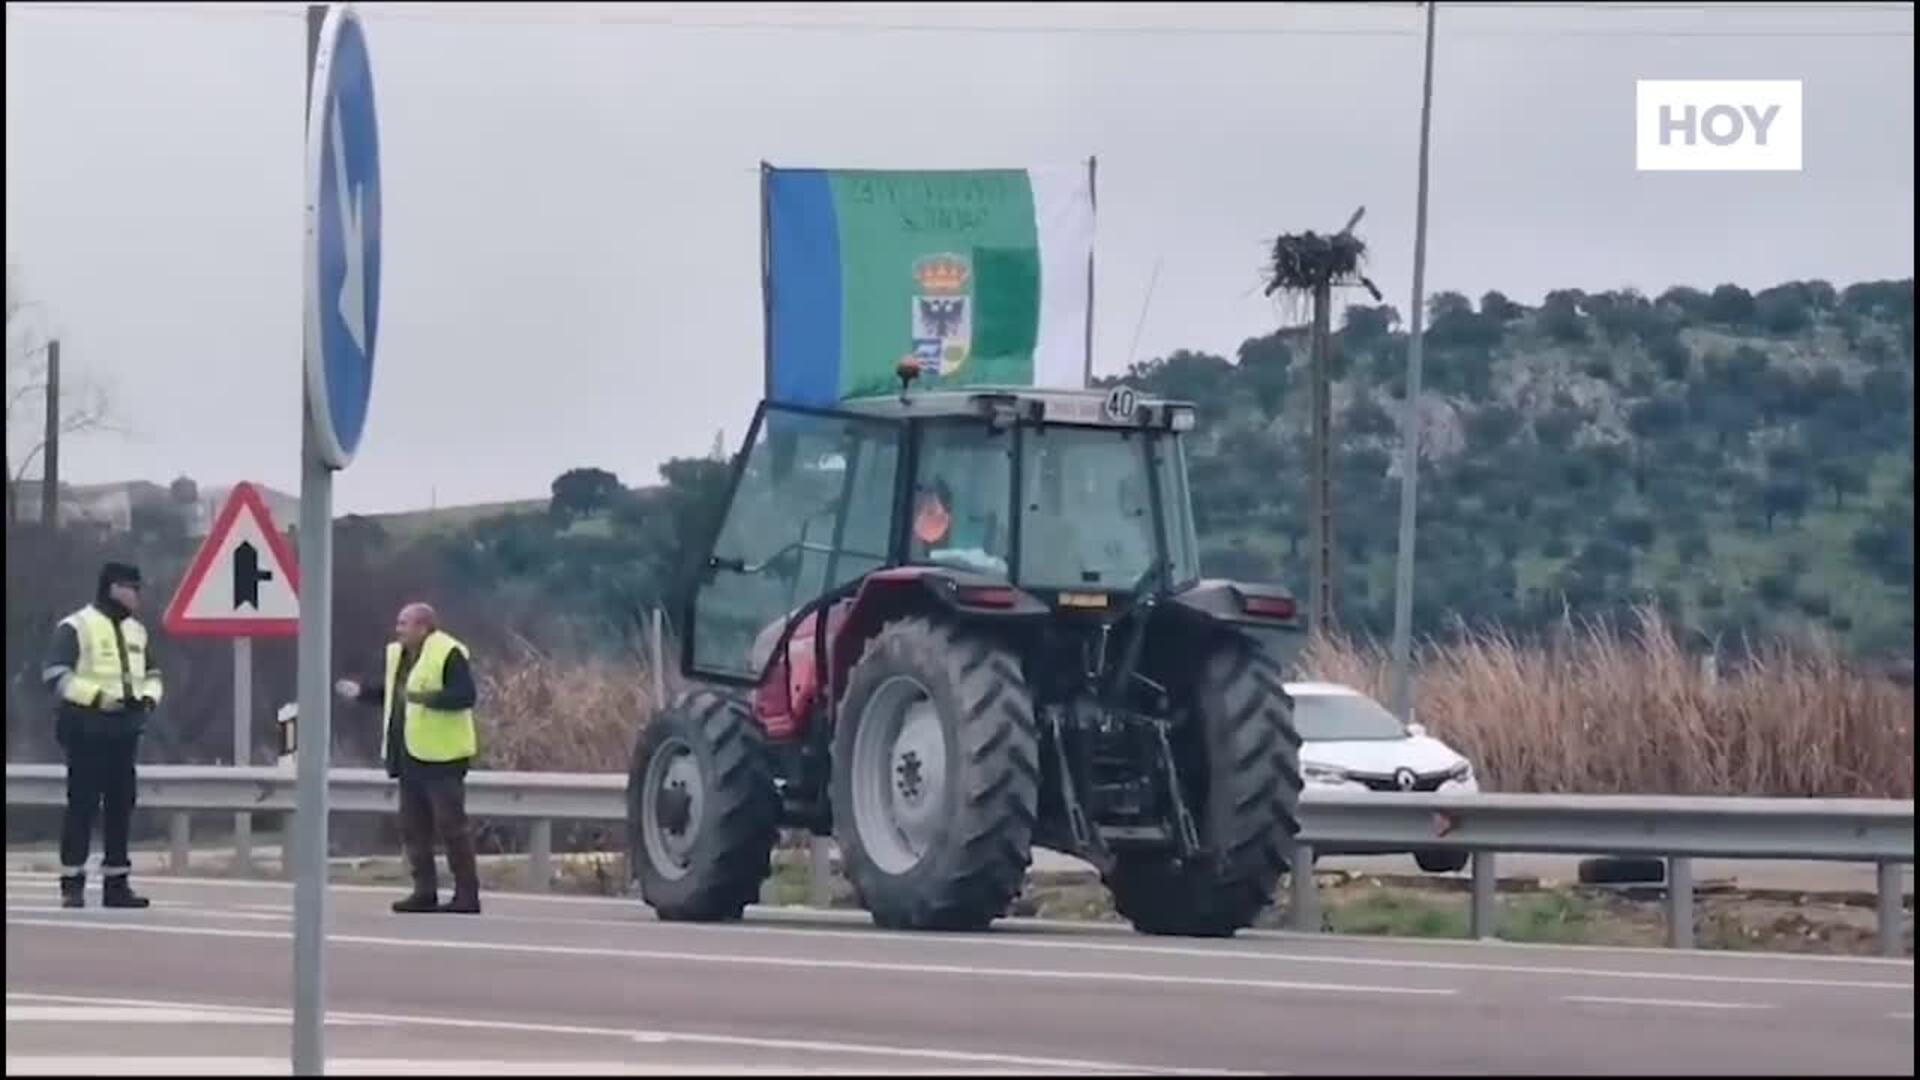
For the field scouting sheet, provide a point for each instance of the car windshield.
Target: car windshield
(1334, 717)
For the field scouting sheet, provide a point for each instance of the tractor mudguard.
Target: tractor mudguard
(1268, 613)
(892, 594)
(786, 696)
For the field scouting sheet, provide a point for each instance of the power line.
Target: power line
(493, 15)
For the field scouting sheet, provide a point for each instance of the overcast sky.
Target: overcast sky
(571, 271)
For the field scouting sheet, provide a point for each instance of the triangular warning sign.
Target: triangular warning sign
(243, 581)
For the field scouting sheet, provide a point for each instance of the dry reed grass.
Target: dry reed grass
(544, 713)
(1601, 710)
(1597, 710)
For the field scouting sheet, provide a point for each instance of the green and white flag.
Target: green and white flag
(980, 276)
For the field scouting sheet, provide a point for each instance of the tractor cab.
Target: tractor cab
(1068, 497)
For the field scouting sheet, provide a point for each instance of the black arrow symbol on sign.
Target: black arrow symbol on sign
(247, 575)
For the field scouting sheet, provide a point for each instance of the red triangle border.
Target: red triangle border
(243, 497)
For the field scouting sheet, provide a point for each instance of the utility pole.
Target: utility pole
(1310, 264)
(1320, 574)
(50, 475)
(1410, 428)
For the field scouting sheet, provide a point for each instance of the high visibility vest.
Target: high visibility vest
(99, 670)
(430, 734)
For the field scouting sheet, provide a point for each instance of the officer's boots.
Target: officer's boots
(116, 892)
(73, 890)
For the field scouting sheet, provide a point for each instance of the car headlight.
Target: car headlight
(1324, 774)
(1462, 772)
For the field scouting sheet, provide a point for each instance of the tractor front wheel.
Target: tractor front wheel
(936, 777)
(702, 813)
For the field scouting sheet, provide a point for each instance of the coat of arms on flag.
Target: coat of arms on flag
(942, 319)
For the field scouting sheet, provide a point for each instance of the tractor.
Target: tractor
(946, 627)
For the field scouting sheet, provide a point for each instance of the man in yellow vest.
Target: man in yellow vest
(105, 683)
(427, 694)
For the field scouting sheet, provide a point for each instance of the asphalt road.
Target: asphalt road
(200, 983)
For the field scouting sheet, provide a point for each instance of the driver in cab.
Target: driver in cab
(932, 518)
(937, 537)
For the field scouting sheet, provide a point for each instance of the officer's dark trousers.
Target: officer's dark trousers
(433, 802)
(99, 777)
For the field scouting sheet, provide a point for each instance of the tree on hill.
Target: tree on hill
(584, 491)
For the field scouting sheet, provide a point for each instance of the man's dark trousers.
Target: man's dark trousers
(99, 776)
(433, 801)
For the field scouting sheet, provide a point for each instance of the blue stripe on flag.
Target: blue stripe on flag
(804, 272)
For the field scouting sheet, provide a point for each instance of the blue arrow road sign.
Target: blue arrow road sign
(343, 238)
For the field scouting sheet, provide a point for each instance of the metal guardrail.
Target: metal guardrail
(1878, 831)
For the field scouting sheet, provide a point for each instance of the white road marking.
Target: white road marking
(142, 1014)
(119, 1014)
(636, 1036)
(1076, 938)
(1665, 1003)
(50, 1065)
(170, 909)
(748, 960)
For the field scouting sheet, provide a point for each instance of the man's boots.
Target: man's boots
(117, 893)
(73, 890)
(426, 883)
(466, 878)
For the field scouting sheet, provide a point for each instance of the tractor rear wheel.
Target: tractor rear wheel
(702, 813)
(936, 778)
(1240, 769)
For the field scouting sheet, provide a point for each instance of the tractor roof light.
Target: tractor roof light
(1180, 418)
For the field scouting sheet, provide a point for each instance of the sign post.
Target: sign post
(243, 740)
(342, 307)
(243, 583)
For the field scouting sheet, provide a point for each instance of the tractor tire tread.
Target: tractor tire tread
(741, 815)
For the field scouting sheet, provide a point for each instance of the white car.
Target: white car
(1350, 742)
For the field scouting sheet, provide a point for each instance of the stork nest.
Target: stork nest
(1305, 261)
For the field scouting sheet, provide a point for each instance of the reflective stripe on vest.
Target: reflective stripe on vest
(429, 734)
(98, 670)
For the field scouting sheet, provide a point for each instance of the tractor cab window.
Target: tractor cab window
(961, 513)
(1183, 541)
(811, 511)
(1089, 519)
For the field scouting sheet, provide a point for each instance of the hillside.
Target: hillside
(1743, 461)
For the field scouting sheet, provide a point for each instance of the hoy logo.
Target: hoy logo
(1717, 125)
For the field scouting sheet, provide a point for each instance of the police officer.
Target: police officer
(105, 682)
(426, 696)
